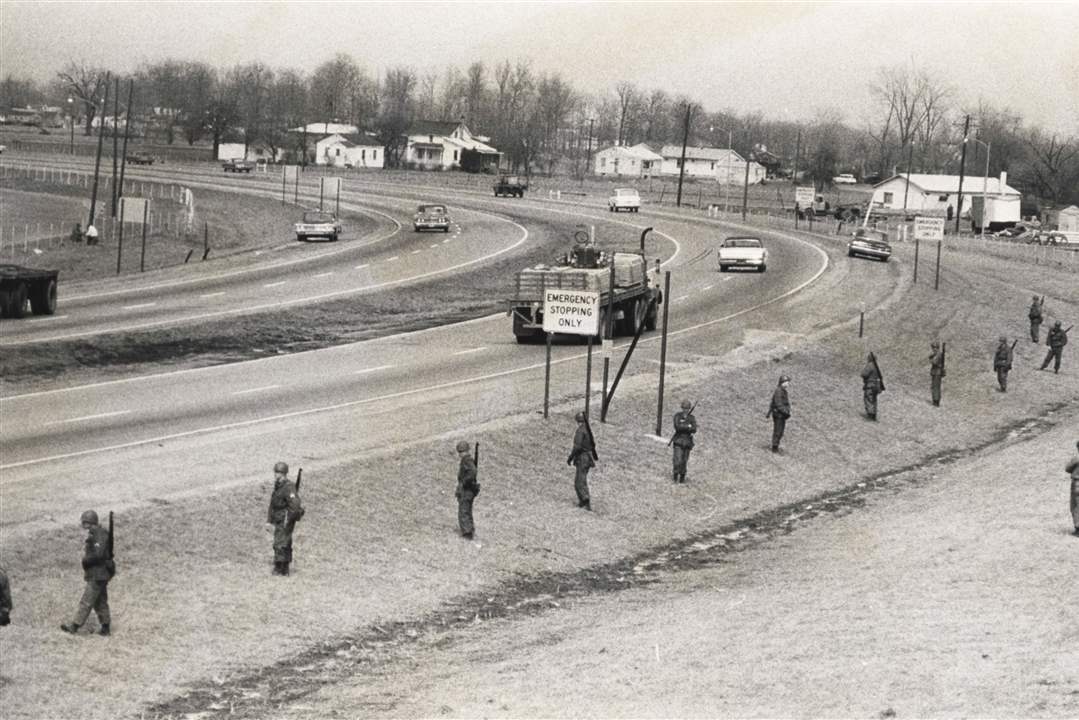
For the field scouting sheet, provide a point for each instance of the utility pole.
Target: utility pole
(682, 165)
(588, 161)
(745, 188)
(910, 161)
(97, 162)
(797, 150)
(115, 143)
(127, 131)
(962, 169)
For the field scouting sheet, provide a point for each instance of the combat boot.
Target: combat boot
(104, 630)
(284, 568)
(71, 628)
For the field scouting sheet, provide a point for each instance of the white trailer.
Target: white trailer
(995, 212)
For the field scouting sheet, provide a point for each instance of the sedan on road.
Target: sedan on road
(844, 179)
(870, 243)
(743, 252)
(431, 217)
(627, 199)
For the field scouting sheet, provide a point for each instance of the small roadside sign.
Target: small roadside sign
(575, 312)
(133, 210)
(928, 228)
(803, 196)
(292, 172)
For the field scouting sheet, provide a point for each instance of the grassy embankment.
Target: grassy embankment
(196, 607)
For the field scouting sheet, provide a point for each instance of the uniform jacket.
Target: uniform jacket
(5, 595)
(285, 505)
(1057, 338)
(95, 555)
(1035, 311)
(1003, 357)
(684, 427)
(581, 455)
(937, 363)
(1073, 468)
(466, 477)
(781, 404)
(870, 377)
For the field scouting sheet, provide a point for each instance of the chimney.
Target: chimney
(1003, 181)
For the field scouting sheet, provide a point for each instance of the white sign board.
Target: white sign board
(133, 210)
(928, 228)
(331, 186)
(292, 172)
(575, 312)
(803, 196)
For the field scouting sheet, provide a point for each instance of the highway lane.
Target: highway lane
(139, 439)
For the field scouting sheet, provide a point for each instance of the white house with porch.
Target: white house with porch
(355, 150)
(439, 145)
(720, 164)
(620, 161)
(937, 193)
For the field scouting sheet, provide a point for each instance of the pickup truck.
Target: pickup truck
(237, 165)
(742, 251)
(140, 158)
(19, 284)
(316, 223)
(511, 186)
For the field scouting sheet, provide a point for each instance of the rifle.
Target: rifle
(880, 375)
(676, 434)
(1014, 344)
(1069, 329)
(299, 477)
(476, 456)
(943, 350)
(591, 437)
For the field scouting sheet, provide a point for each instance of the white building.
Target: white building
(255, 151)
(356, 150)
(437, 145)
(636, 161)
(717, 163)
(326, 128)
(936, 193)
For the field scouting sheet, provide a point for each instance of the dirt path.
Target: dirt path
(953, 594)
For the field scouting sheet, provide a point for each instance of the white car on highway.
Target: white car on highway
(624, 199)
(844, 179)
(743, 251)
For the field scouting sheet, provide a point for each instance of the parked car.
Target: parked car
(140, 158)
(511, 186)
(1017, 233)
(844, 179)
(431, 217)
(237, 165)
(742, 251)
(317, 223)
(624, 199)
(870, 243)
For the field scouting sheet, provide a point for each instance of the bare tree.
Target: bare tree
(452, 100)
(286, 108)
(396, 112)
(87, 85)
(1054, 165)
(656, 112)
(476, 96)
(426, 103)
(627, 96)
(199, 83)
(332, 86)
(250, 86)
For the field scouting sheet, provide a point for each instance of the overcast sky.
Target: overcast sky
(787, 60)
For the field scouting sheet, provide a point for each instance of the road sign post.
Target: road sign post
(930, 228)
(573, 312)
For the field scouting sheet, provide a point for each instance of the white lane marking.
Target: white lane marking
(275, 284)
(470, 350)
(88, 417)
(416, 252)
(361, 267)
(446, 240)
(136, 307)
(707, 287)
(434, 245)
(325, 274)
(49, 317)
(257, 389)
(680, 299)
(395, 257)
(429, 388)
(371, 370)
(213, 294)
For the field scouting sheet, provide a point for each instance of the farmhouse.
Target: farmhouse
(438, 145)
(717, 163)
(936, 192)
(355, 150)
(620, 161)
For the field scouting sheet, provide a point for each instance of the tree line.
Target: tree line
(542, 124)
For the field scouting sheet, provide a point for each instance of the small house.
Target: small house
(355, 150)
(937, 193)
(439, 145)
(620, 161)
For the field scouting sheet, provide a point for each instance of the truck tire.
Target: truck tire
(43, 300)
(653, 315)
(520, 193)
(17, 308)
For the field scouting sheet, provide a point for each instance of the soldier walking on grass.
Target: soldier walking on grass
(1056, 340)
(1002, 362)
(872, 385)
(1073, 468)
(5, 599)
(1035, 316)
(936, 371)
(779, 410)
(467, 489)
(583, 457)
(98, 568)
(285, 511)
(685, 425)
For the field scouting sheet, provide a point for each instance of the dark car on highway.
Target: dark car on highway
(870, 243)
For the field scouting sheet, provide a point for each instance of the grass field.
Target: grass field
(198, 615)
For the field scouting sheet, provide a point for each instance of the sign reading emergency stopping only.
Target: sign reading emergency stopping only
(571, 311)
(928, 228)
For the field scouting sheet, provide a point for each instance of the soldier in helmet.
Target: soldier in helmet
(98, 569)
(779, 410)
(467, 489)
(1002, 363)
(871, 386)
(936, 371)
(581, 457)
(1035, 316)
(1073, 468)
(685, 425)
(285, 511)
(5, 599)
(1056, 340)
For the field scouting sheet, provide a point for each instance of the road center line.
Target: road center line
(213, 294)
(471, 350)
(275, 284)
(395, 257)
(257, 389)
(361, 267)
(89, 417)
(707, 287)
(136, 307)
(371, 370)
(323, 274)
(416, 252)
(434, 245)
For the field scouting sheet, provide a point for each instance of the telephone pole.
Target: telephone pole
(962, 169)
(682, 165)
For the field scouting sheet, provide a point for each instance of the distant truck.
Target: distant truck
(140, 158)
(316, 223)
(586, 268)
(1000, 212)
(237, 165)
(18, 285)
(511, 186)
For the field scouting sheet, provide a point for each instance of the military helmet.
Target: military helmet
(1003, 340)
(281, 467)
(784, 378)
(1034, 298)
(686, 405)
(88, 518)
(1056, 324)
(462, 446)
(580, 417)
